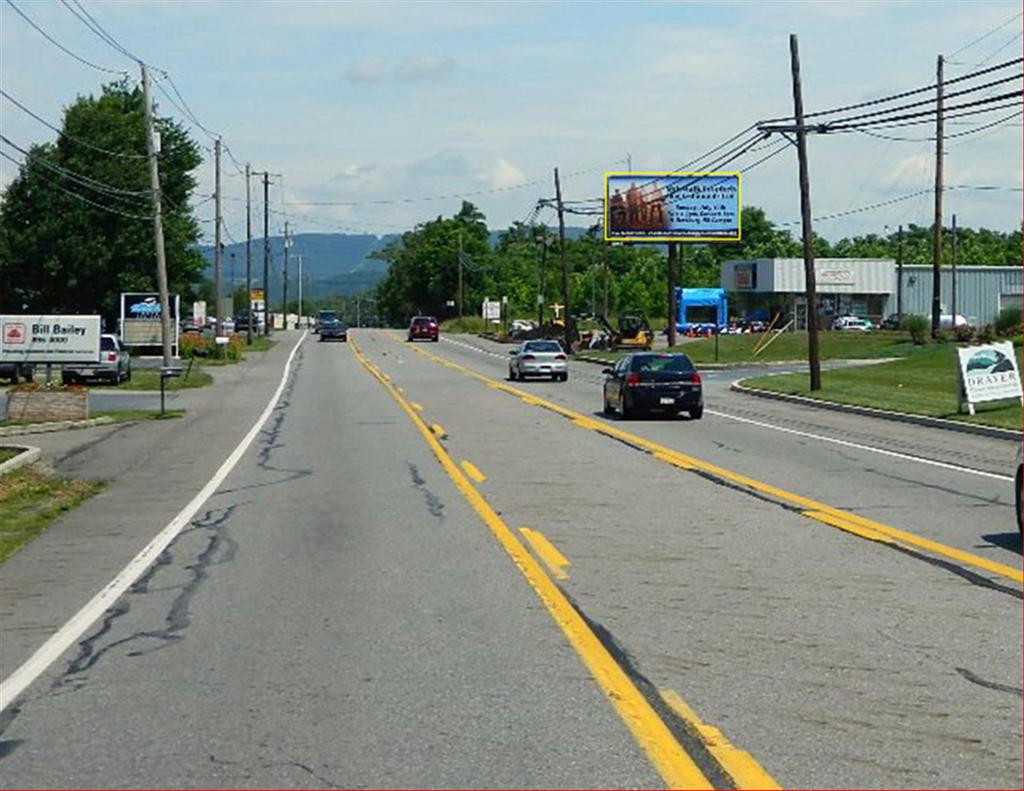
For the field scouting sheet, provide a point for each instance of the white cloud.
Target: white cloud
(425, 67)
(503, 174)
(368, 70)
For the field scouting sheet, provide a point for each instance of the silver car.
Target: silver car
(538, 358)
(114, 366)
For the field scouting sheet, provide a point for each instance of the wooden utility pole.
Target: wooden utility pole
(565, 264)
(937, 227)
(543, 277)
(673, 262)
(248, 256)
(460, 277)
(954, 272)
(218, 252)
(287, 245)
(266, 253)
(152, 151)
(899, 277)
(604, 256)
(813, 351)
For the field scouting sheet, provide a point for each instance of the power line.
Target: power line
(986, 35)
(64, 134)
(87, 19)
(975, 130)
(82, 198)
(928, 115)
(60, 46)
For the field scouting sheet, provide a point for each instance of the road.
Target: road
(358, 604)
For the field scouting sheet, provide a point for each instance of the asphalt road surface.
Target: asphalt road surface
(422, 575)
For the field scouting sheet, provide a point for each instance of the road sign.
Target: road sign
(46, 339)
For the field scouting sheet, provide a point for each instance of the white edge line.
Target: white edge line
(848, 444)
(65, 637)
(845, 443)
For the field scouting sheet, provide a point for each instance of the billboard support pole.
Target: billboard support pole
(158, 222)
(813, 349)
(673, 261)
(567, 335)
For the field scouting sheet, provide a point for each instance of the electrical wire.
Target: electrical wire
(64, 134)
(82, 198)
(836, 126)
(945, 137)
(60, 46)
(986, 35)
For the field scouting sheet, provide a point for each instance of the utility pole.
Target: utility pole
(813, 350)
(937, 228)
(542, 291)
(460, 275)
(954, 272)
(565, 265)
(218, 252)
(899, 278)
(673, 260)
(604, 257)
(152, 150)
(299, 323)
(287, 244)
(358, 317)
(266, 253)
(248, 256)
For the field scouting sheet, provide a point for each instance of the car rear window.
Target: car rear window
(543, 346)
(421, 321)
(107, 345)
(661, 362)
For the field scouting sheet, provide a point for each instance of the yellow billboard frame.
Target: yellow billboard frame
(676, 174)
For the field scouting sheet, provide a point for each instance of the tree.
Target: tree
(75, 224)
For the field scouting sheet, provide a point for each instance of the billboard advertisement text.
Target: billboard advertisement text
(672, 207)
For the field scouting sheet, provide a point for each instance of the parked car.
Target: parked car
(241, 320)
(653, 382)
(114, 366)
(851, 324)
(423, 327)
(891, 322)
(1019, 478)
(14, 371)
(333, 330)
(538, 358)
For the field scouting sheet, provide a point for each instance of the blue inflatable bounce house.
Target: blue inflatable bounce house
(701, 298)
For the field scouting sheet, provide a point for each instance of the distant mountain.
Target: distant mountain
(332, 263)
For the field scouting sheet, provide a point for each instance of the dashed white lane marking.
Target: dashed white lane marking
(819, 437)
(70, 632)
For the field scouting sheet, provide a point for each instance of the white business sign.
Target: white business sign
(988, 373)
(49, 339)
(491, 310)
(199, 312)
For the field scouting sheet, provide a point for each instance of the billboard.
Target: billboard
(140, 319)
(672, 207)
(988, 373)
(49, 339)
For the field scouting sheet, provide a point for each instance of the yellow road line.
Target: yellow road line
(746, 773)
(438, 429)
(844, 520)
(417, 407)
(552, 558)
(470, 469)
(669, 758)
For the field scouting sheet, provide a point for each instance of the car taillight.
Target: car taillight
(432, 326)
(111, 357)
(695, 378)
(529, 357)
(633, 380)
(559, 356)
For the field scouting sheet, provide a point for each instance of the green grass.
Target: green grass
(924, 383)
(733, 349)
(261, 343)
(468, 324)
(149, 379)
(6, 454)
(30, 501)
(116, 415)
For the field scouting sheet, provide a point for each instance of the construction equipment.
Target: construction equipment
(634, 332)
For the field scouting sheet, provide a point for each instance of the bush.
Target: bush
(986, 334)
(1008, 322)
(191, 345)
(917, 326)
(964, 333)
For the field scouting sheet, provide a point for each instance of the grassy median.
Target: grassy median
(31, 500)
(923, 383)
(149, 379)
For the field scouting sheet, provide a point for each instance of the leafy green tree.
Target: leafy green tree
(73, 243)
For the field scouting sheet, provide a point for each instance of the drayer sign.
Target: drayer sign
(672, 207)
(988, 373)
(44, 339)
(140, 319)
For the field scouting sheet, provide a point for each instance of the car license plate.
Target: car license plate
(668, 400)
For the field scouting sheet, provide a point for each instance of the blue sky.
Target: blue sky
(376, 101)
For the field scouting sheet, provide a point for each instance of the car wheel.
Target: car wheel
(556, 377)
(608, 408)
(30, 376)
(511, 374)
(565, 377)
(436, 340)
(625, 410)
(697, 412)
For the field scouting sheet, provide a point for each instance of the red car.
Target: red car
(423, 327)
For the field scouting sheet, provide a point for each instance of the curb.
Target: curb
(882, 414)
(61, 425)
(27, 456)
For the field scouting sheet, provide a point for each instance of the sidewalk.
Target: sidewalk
(152, 469)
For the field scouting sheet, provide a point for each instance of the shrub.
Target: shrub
(964, 333)
(1008, 322)
(986, 334)
(917, 326)
(191, 345)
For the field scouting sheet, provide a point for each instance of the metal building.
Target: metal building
(866, 287)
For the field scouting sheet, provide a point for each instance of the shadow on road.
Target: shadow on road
(1010, 541)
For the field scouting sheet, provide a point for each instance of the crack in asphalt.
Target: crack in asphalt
(981, 682)
(434, 504)
(80, 449)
